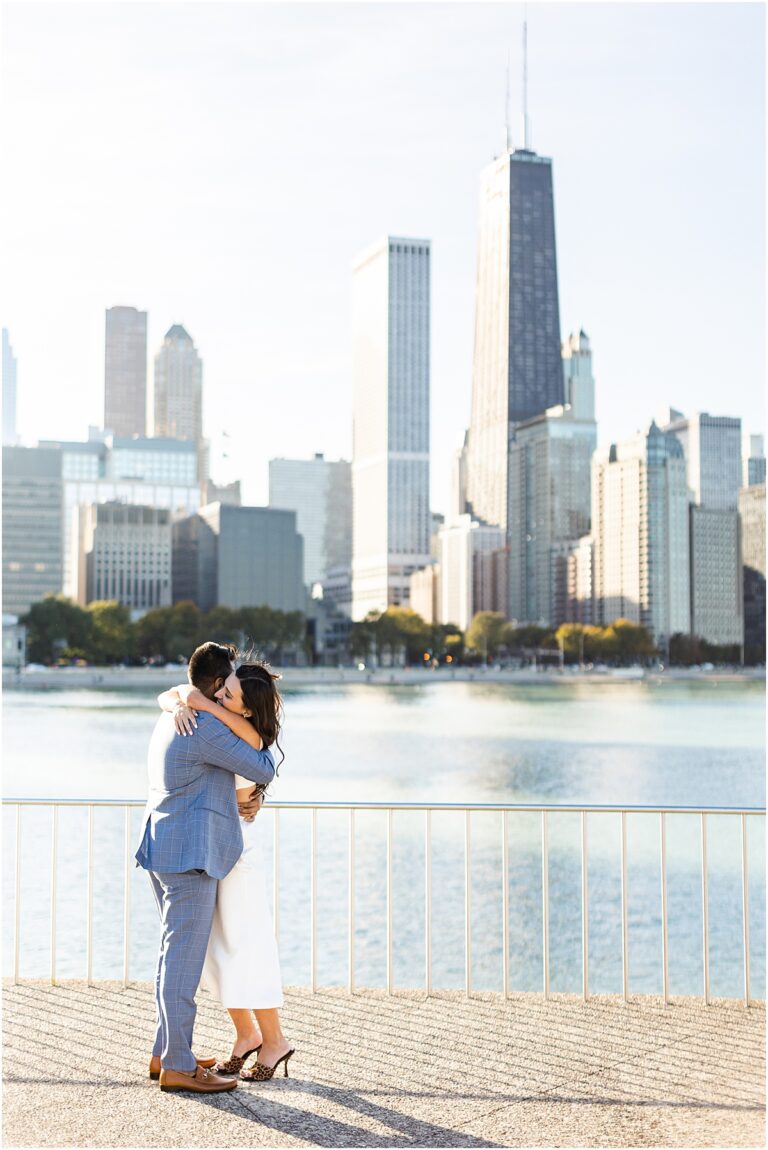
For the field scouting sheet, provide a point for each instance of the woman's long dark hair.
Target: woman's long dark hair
(263, 700)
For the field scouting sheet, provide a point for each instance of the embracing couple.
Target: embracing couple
(209, 764)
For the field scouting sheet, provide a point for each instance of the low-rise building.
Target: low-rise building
(123, 552)
(319, 490)
(239, 557)
(465, 583)
(32, 527)
(140, 471)
(425, 593)
(337, 588)
(14, 643)
(580, 582)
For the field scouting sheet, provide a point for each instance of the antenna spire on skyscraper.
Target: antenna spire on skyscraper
(507, 125)
(526, 125)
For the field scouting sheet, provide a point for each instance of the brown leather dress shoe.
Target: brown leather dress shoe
(201, 1082)
(155, 1067)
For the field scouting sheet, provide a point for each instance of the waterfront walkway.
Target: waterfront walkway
(400, 1071)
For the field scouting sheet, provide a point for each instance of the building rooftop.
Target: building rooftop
(176, 331)
(393, 1071)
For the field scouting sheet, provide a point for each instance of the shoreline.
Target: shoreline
(156, 678)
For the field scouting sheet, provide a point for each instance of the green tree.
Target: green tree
(268, 633)
(55, 626)
(485, 633)
(152, 633)
(186, 630)
(414, 636)
(626, 642)
(290, 629)
(528, 637)
(387, 635)
(361, 640)
(570, 637)
(580, 641)
(223, 625)
(112, 635)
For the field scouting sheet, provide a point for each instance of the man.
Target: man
(190, 839)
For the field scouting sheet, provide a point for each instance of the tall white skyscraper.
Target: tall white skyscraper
(125, 371)
(641, 552)
(9, 392)
(390, 421)
(178, 400)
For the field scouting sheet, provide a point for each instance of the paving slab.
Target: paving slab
(402, 1070)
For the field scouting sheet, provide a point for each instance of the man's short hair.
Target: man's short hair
(209, 662)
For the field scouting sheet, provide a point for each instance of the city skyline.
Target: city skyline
(265, 285)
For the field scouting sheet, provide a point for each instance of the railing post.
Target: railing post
(127, 898)
(17, 907)
(276, 872)
(54, 862)
(745, 904)
(705, 905)
(428, 901)
(664, 913)
(313, 900)
(545, 898)
(467, 905)
(584, 909)
(351, 896)
(624, 910)
(89, 921)
(390, 973)
(505, 900)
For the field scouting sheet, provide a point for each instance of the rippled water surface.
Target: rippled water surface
(692, 744)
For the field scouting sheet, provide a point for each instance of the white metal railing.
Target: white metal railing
(428, 809)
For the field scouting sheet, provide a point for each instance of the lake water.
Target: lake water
(624, 743)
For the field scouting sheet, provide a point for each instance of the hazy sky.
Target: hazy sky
(220, 164)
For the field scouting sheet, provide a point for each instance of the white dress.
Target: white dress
(242, 968)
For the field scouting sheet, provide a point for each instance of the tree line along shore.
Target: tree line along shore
(61, 633)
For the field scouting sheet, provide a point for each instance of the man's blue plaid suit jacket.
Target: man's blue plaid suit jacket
(191, 820)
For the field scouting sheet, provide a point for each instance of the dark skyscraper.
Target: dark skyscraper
(518, 370)
(535, 364)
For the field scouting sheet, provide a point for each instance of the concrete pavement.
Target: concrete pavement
(400, 1071)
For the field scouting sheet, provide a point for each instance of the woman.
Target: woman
(242, 968)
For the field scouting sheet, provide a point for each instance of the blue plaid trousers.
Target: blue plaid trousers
(186, 902)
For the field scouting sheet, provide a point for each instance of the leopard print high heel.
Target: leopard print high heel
(261, 1073)
(235, 1064)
